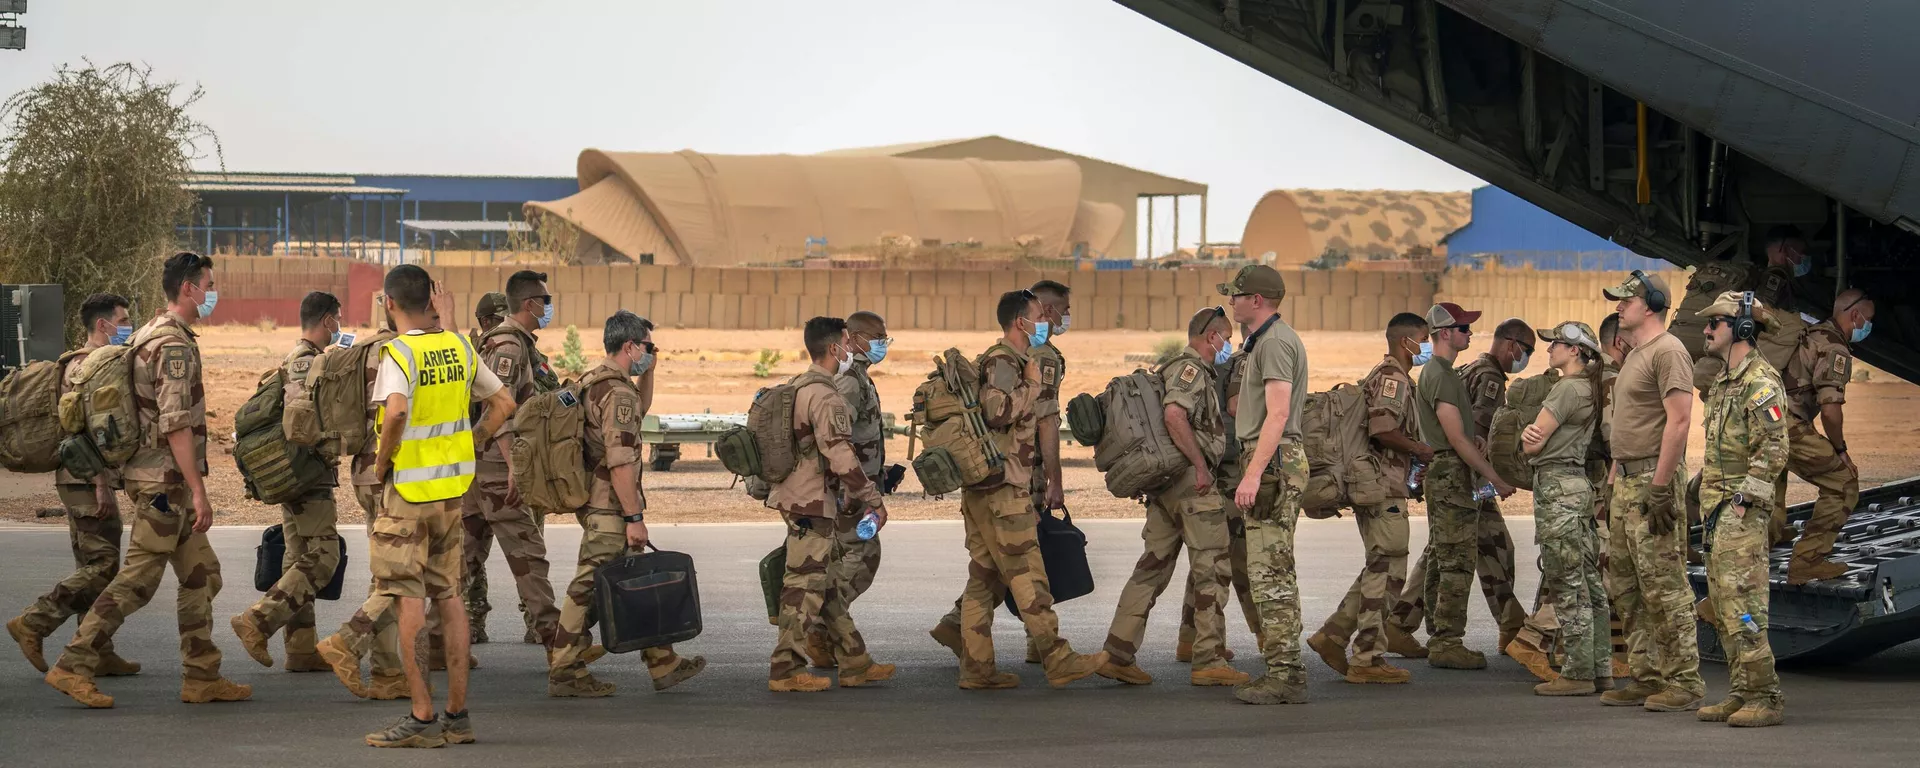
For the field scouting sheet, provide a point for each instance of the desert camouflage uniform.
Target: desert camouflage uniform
(1177, 515)
(1046, 408)
(1384, 529)
(612, 441)
(509, 351)
(1746, 448)
(809, 501)
(1229, 479)
(168, 396)
(313, 543)
(375, 625)
(92, 532)
(869, 441)
(1816, 376)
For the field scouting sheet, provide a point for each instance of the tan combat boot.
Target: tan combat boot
(344, 663)
(1331, 651)
(1758, 715)
(801, 682)
(253, 639)
(1602, 684)
(1034, 656)
(1075, 666)
(585, 686)
(1403, 645)
(874, 673)
(111, 665)
(208, 691)
(1566, 686)
(1672, 701)
(1635, 694)
(1271, 689)
(80, 688)
(593, 653)
(820, 652)
(1378, 673)
(994, 682)
(1183, 652)
(674, 671)
(387, 687)
(1131, 674)
(1456, 657)
(948, 635)
(1506, 638)
(1220, 675)
(1525, 648)
(30, 642)
(1719, 713)
(1801, 571)
(306, 662)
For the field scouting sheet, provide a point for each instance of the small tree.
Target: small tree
(764, 366)
(91, 166)
(547, 235)
(572, 359)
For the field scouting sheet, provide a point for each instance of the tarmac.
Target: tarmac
(1861, 714)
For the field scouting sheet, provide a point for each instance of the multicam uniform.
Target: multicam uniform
(1564, 529)
(1452, 517)
(1746, 448)
(1817, 376)
(1383, 527)
(508, 351)
(1274, 353)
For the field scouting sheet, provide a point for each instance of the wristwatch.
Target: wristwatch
(1739, 498)
(639, 518)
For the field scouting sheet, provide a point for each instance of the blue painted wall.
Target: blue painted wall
(1519, 233)
(473, 189)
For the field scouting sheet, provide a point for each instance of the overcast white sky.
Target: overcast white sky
(488, 87)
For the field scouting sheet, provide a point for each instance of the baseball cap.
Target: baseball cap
(1447, 314)
(1641, 284)
(1728, 305)
(1257, 279)
(1572, 332)
(492, 304)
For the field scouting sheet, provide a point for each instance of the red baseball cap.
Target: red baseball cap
(1447, 314)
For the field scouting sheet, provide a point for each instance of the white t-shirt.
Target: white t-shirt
(393, 379)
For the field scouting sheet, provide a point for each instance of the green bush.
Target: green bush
(1165, 349)
(572, 360)
(764, 367)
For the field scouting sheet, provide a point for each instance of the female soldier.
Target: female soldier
(1563, 510)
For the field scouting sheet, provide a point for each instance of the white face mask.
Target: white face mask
(846, 361)
(1520, 363)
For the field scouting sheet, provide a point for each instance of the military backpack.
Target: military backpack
(274, 469)
(1522, 406)
(1341, 470)
(958, 450)
(765, 449)
(30, 430)
(549, 451)
(332, 418)
(97, 411)
(1134, 449)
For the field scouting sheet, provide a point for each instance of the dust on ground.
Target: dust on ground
(711, 370)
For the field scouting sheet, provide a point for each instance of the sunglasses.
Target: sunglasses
(649, 347)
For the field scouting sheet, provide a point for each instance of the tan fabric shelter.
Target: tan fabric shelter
(1299, 225)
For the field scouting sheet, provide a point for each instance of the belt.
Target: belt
(1638, 466)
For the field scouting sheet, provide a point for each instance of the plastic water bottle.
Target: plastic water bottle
(1486, 492)
(869, 526)
(1416, 473)
(1746, 620)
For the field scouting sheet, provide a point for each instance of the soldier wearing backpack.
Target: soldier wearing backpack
(1228, 376)
(313, 544)
(1393, 433)
(93, 514)
(488, 313)
(1188, 513)
(165, 478)
(493, 508)
(614, 518)
(867, 332)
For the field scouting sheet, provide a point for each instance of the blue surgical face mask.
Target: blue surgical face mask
(1226, 351)
(1860, 333)
(120, 334)
(641, 366)
(1803, 268)
(876, 351)
(334, 340)
(207, 304)
(1520, 364)
(1039, 335)
(1425, 354)
(546, 315)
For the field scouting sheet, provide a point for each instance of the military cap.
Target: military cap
(1447, 314)
(1645, 286)
(492, 304)
(1256, 279)
(1728, 305)
(1572, 332)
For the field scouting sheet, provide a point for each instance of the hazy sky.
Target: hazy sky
(486, 87)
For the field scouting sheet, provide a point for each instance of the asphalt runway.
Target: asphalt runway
(1857, 715)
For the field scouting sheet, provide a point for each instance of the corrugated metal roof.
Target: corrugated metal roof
(314, 189)
(431, 225)
(267, 178)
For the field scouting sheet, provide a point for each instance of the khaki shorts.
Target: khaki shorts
(415, 549)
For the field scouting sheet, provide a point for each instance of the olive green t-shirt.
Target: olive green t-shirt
(1571, 403)
(1277, 356)
(1439, 383)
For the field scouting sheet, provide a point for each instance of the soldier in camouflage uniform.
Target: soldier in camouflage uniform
(488, 312)
(93, 516)
(313, 543)
(1188, 512)
(1558, 441)
(1816, 384)
(867, 335)
(613, 521)
(1273, 472)
(810, 500)
(1394, 439)
(491, 509)
(1746, 448)
(1229, 375)
(165, 478)
(1771, 283)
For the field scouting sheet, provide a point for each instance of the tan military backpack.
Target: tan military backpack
(1524, 400)
(958, 450)
(98, 409)
(1341, 471)
(549, 449)
(1134, 450)
(332, 418)
(30, 432)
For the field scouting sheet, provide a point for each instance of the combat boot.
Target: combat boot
(477, 633)
(306, 662)
(30, 642)
(801, 682)
(1456, 657)
(1758, 715)
(1621, 670)
(1220, 675)
(1525, 648)
(1378, 673)
(592, 654)
(111, 665)
(1330, 651)
(1075, 666)
(1719, 713)
(1635, 694)
(820, 652)
(874, 673)
(585, 686)
(1183, 653)
(207, 691)
(1034, 656)
(253, 639)
(1672, 700)
(80, 688)
(344, 663)
(994, 682)
(1566, 686)
(1403, 645)
(388, 687)
(948, 635)
(1800, 572)
(1506, 638)
(680, 670)
(1272, 689)
(1131, 674)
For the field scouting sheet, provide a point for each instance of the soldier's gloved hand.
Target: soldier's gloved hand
(1661, 514)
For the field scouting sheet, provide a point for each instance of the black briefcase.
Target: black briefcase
(267, 559)
(646, 601)
(1063, 548)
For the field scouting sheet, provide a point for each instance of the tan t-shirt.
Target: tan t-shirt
(1650, 373)
(1277, 356)
(1571, 403)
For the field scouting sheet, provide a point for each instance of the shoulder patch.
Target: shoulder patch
(1188, 373)
(1390, 389)
(1490, 390)
(623, 413)
(173, 361)
(503, 368)
(1842, 365)
(841, 424)
(301, 365)
(1761, 397)
(1049, 373)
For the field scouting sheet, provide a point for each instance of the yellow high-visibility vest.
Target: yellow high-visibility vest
(436, 460)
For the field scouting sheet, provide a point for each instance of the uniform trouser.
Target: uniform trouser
(1810, 456)
(375, 626)
(1440, 584)
(1270, 560)
(1649, 583)
(487, 516)
(859, 562)
(1177, 517)
(807, 601)
(1493, 559)
(313, 552)
(159, 539)
(1570, 568)
(1003, 548)
(1545, 622)
(1737, 587)
(603, 537)
(1237, 567)
(94, 535)
(1383, 578)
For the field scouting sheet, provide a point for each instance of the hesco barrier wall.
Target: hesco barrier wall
(961, 300)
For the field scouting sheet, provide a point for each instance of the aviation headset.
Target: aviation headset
(1744, 329)
(1656, 298)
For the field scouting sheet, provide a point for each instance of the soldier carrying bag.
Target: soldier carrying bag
(332, 418)
(269, 563)
(1063, 550)
(30, 430)
(1134, 449)
(1341, 471)
(1524, 400)
(549, 449)
(946, 410)
(646, 600)
(274, 469)
(97, 412)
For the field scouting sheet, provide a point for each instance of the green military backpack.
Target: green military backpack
(275, 469)
(98, 408)
(1524, 400)
(30, 432)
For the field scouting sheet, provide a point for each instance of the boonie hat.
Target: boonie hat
(1572, 332)
(1728, 305)
(493, 304)
(1256, 279)
(1447, 314)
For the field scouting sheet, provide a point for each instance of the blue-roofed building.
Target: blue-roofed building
(1512, 232)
